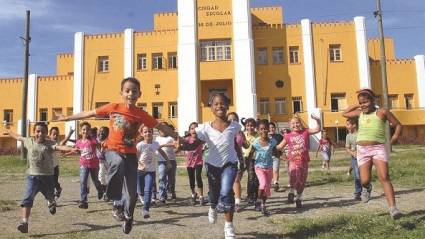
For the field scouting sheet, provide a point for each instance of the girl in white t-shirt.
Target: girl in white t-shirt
(222, 161)
(147, 166)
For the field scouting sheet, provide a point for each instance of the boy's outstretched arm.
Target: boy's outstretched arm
(77, 116)
(167, 130)
(14, 135)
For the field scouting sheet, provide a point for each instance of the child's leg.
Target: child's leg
(199, 183)
(154, 187)
(162, 174)
(191, 175)
(140, 183)
(32, 188)
(115, 181)
(384, 178)
(57, 185)
(171, 178)
(84, 174)
(148, 181)
(130, 185)
(365, 173)
(237, 187)
(102, 172)
(227, 199)
(214, 184)
(356, 178)
(276, 166)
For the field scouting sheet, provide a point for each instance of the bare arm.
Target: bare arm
(281, 145)
(395, 123)
(351, 152)
(14, 135)
(64, 148)
(66, 139)
(78, 116)
(318, 148)
(316, 129)
(186, 146)
(167, 130)
(352, 111)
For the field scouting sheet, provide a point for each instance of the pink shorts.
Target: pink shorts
(371, 152)
(265, 176)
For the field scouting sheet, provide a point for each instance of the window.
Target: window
(157, 110)
(338, 102)
(69, 111)
(335, 52)
(103, 64)
(297, 104)
(100, 104)
(280, 105)
(262, 56)
(157, 61)
(408, 100)
(393, 102)
(216, 50)
(172, 60)
(293, 54)
(277, 53)
(264, 106)
(8, 116)
(172, 110)
(43, 114)
(56, 112)
(142, 62)
(142, 106)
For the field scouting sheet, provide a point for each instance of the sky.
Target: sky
(54, 22)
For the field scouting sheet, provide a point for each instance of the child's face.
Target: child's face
(101, 134)
(85, 131)
(147, 134)
(350, 127)
(54, 134)
(324, 134)
(366, 105)
(192, 129)
(232, 117)
(219, 107)
(272, 129)
(40, 133)
(295, 124)
(263, 130)
(250, 127)
(130, 93)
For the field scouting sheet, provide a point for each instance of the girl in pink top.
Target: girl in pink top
(194, 166)
(89, 164)
(298, 158)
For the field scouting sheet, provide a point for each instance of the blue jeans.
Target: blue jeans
(122, 180)
(84, 175)
(35, 184)
(356, 176)
(220, 182)
(167, 179)
(145, 185)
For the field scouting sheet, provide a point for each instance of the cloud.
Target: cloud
(15, 9)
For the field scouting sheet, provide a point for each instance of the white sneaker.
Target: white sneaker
(229, 231)
(212, 215)
(141, 200)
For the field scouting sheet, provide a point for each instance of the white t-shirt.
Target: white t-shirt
(221, 144)
(147, 158)
(169, 151)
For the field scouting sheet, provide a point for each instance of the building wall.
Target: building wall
(267, 15)
(374, 49)
(64, 64)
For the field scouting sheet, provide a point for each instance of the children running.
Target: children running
(276, 156)
(40, 170)
(326, 148)
(298, 157)
(124, 121)
(371, 149)
(252, 183)
(350, 147)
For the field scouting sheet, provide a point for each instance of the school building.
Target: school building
(267, 67)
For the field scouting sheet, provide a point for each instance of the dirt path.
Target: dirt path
(179, 220)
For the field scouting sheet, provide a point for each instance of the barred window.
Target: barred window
(216, 50)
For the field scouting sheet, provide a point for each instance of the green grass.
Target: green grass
(365, 225)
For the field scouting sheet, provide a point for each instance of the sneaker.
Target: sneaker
(276, 186)
(212, 215)
(127, 225)
(366, 195)
(23, 227)
(257, 206)
(357, 197)
(52, 207)
(264, 210)
(105, 197)
(229, 231)
(146, 214)
(58, 192)
(140, 197)
(100, 192)
(83, 205)
(291, 197)
(174, 197)
(118, 214)
(298, 203)
(193, 199)
(395, 213)
(202, 201)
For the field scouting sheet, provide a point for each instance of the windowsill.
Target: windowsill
(295, 63)
(103, 72)
(162, 69)
(172, 69)
(215, 60)
(341, 61)
(283, 63)
(141, 70)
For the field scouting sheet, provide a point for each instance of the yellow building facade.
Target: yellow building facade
(268, 68)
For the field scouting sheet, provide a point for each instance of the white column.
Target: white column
(18, 131)
(188, 82)
(128, 52)
(243, 55)
(310, 81)
(362, 52)
(32, 98)
(78, 88)
(420, 78)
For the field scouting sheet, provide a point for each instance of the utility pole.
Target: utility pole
(27, 40)
(378, 16)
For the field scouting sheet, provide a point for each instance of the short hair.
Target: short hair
(249, 120)
(40, 124)
(132, 80)
(218, 94)
(53, 128)
(85, 123)
(272, 123)
(263, 122)
(193, 123)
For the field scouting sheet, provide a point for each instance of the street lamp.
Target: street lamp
(337, 131)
